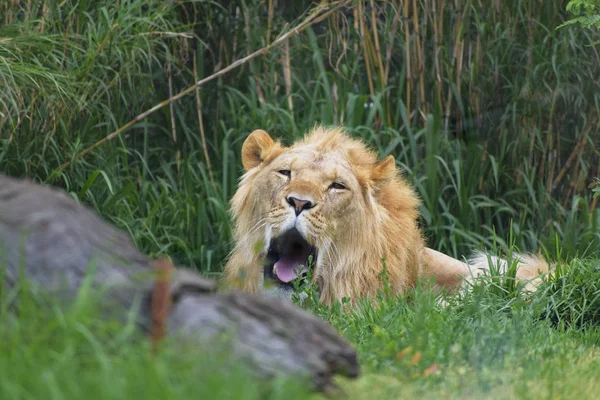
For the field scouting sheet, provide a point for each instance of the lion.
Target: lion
(330, 199)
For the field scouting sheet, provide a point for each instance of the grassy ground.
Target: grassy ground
(491, 112)
(488, 343)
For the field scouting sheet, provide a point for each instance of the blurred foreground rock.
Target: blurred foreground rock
(57, 241)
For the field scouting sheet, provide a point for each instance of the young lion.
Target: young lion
(329, 197)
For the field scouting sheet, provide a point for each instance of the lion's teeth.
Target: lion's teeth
(274, 270)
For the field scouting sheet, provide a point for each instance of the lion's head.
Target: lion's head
(329, 197)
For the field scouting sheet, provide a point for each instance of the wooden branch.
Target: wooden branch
(50, 239)
(312, 19)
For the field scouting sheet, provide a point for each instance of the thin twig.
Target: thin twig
(313, 18)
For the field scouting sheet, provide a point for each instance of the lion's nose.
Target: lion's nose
(299, 204)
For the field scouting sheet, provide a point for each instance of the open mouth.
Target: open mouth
(288, 257)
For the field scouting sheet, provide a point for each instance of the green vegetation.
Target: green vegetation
(586, 13)
(493, 118)
(491, 111)
(489, 343)
(72, 352)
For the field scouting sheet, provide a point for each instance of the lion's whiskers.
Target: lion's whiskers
(260, 224)
(332, 252)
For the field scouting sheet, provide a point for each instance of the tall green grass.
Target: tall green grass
(490, 111)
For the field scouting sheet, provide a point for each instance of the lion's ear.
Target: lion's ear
(384, 169)
(256, 148)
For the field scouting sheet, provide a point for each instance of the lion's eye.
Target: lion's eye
(337, 186)
(285, 172)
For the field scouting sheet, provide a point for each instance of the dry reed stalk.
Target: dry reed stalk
(476, 99)
(442, 6)
(553, 157)
(363, 35)
(388, 56)
(579, 183)
(437, 39)
(457, 60)
(569, 195)
(594, 202)
(247, 25)
(338, 33)
(420, 60)
(407, 48)
(356, 28)
(315, 17)
(532, 137)
(549, 141)
(45, 11)
(460, 48)
(32, 107)
(542, 169)
(201, 121)
(530, 23)
(55, 126)
(448, 105)
(222, 54)
(28, 13)
(235, 37)
(8, 18)
(379, 60)
(577, 151)
(390, 45)
(172, 112)
(287, 75)
(269, 20)
(482, 163)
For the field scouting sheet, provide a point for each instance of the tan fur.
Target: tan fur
(354, 229)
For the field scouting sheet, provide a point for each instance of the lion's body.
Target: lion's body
(355, 210)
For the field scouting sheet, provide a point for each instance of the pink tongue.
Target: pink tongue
(288, 270)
